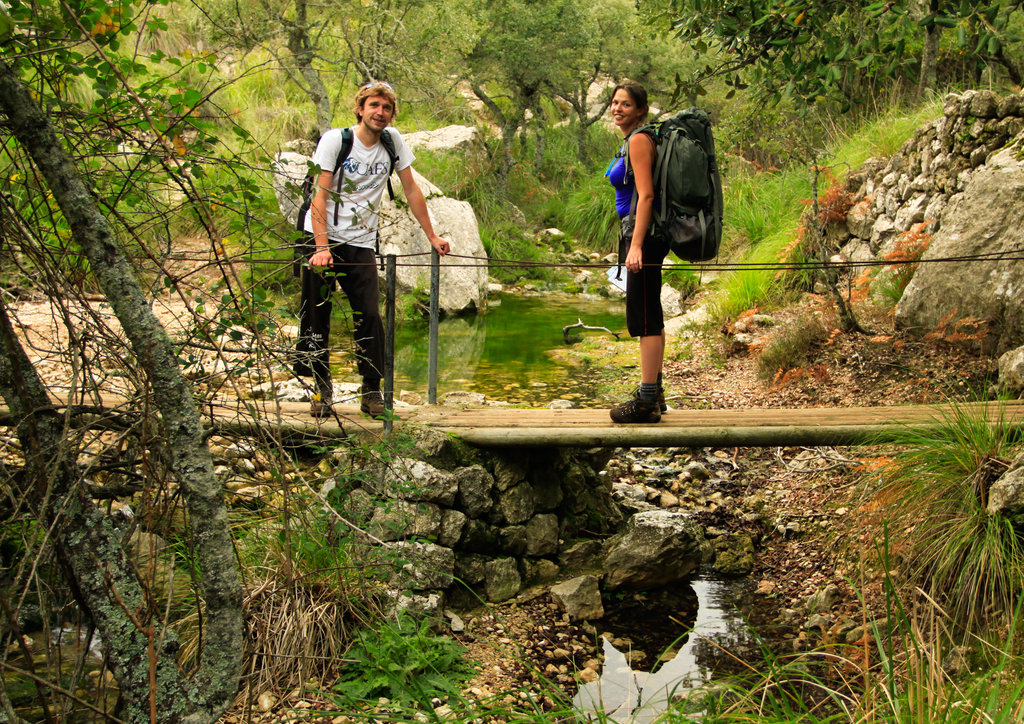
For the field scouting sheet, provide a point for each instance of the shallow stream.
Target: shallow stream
(662, 644)
(678, 638)
(506, 353)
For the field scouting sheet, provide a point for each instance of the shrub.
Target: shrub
(962, 556)
(403, 661)
(790, 345)
(590, 216)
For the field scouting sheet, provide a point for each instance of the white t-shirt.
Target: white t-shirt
(366, 175)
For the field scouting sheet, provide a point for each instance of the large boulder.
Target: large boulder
(656, 548)
(463, 280)
(1006, 495)
(1011, 372)
(986, 219)
(447, 138)
(580, 597)
(288, 169)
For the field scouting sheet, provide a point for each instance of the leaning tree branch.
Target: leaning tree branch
(211, 690)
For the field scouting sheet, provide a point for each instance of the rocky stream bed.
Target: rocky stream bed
(799, 524)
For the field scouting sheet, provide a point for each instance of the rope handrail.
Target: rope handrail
(496, 262)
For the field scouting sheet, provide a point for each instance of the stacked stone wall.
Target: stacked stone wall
(909, 191)
(452, 524)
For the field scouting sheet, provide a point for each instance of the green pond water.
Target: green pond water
(506, 352)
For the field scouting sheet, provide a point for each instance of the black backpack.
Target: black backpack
(687, 185)
(302, 248)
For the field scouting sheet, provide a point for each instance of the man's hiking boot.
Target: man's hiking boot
(636, 410)
(371, 401)
(320, 407)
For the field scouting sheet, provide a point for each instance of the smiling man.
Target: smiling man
(342, 221)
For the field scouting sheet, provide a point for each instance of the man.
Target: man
(343, 225)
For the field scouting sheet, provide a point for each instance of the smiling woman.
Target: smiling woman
(640, 251)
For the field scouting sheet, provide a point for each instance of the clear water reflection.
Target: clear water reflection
(506, 352)
(718, 632)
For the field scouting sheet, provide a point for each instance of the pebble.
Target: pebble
(265, 702)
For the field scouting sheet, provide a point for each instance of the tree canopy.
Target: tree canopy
(838, 50)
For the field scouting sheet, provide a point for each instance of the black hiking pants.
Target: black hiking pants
(355, 271)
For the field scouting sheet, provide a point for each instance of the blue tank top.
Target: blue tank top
(623, 185)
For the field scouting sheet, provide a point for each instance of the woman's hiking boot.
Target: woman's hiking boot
(637, 410)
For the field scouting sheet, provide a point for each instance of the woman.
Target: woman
(631, 174)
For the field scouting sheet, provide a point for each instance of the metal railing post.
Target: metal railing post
(390, 280)
(435, 304)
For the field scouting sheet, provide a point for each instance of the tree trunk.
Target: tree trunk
(152, 687)
(1010, 65)
(930, 51)
(509, 126)
(540, 125)
(577, 100)
(301, 48)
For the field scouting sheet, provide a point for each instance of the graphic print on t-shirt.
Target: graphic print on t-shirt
(366, 172)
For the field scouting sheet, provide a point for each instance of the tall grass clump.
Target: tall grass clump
(968, 559)
(914, 667)
(790, 346)
(590, 215)
(304, 594)
(762, 217)
(881, 134)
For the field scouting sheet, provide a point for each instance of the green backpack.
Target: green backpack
(687, 185)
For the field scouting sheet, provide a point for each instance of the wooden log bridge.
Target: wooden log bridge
(514, 427)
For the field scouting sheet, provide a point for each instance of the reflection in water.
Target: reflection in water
(624, 695)
(506, 352)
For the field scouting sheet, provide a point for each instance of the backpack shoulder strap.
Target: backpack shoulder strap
(651, 131)
(389, 146)
(648, 130)
(339, 164)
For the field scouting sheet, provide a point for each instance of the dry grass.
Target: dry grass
(790, 346)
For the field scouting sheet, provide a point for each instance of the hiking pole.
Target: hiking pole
(435, 303)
